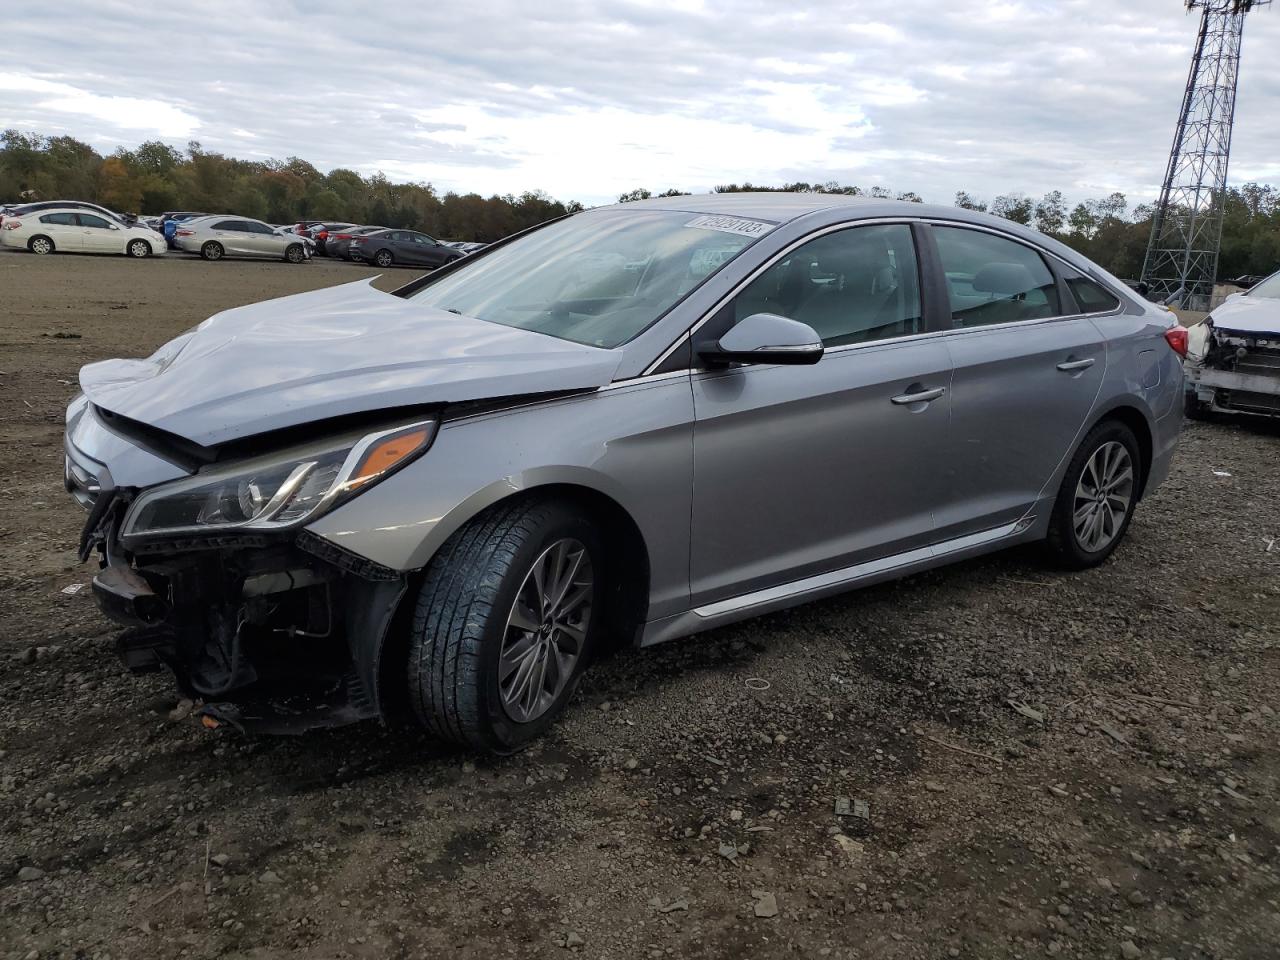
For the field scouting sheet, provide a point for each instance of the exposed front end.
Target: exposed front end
(1234, 371)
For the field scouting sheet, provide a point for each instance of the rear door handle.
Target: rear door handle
(1068, 365)
(923, 396)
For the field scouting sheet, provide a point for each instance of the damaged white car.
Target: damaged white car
(1233, 358)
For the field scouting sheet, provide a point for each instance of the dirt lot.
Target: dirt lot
(678, 811)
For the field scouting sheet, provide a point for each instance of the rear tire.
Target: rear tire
(212, 250)
(1096, 500)
(383, 258)
(138, 248)
(488, 646)
(41, 245)
(294, 253)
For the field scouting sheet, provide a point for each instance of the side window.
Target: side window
(1090, 296)
(423, 239)
(62, 219)
(250, 226)
(851, 286)
(400, 236)
(994, 280)
(89, 220)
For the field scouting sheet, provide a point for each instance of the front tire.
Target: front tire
(383, 258)
(212, 250)
(505, 622)
(1096, 500)
(41, 246)
(294, 253)
(138, 248)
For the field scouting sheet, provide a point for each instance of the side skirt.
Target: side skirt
(785, 595)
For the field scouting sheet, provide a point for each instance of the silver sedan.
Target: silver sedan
(227, 236)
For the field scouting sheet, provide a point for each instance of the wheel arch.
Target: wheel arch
(627, 561)
(1140, 424)
(41, 236)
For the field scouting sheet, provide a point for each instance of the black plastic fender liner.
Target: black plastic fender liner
(368, 609)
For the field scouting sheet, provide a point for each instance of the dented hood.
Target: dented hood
(1260, 315)
(341, 350)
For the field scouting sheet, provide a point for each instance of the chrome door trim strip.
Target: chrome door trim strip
(850, 575)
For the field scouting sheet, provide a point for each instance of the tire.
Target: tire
(294, 253)
(468, 650)
(383, 258)
(212, 250)
(1194, 408)
(138, 248)
(41, 245)
(1085, 527)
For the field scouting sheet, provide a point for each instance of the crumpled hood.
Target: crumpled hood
(1248, 315)
(326, 353)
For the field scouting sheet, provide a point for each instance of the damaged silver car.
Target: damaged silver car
(1233, 357)
(628, 425)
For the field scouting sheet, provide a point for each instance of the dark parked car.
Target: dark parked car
(338, 244)
(406, 247)
(319, 232)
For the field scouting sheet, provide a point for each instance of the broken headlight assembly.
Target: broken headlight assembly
(278, 491)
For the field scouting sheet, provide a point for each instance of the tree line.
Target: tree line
(155, 177)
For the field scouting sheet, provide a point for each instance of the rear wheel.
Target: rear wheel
(383, 258)
(138, 248)
(505, 622)
(40, 245)
(294, 253)
(1095, 503)
(212, 250)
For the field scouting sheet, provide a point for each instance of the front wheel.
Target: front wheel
(294, 253)
(505, 622)
(212, 250)
(383, 258)
(1095, 503)
(138, 248)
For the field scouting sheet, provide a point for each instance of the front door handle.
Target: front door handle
(1066, 366)
(923, 396)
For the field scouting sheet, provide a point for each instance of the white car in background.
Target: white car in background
(77, 231)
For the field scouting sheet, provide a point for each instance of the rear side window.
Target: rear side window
(1092, 297)
(992, 280)
(64, 219)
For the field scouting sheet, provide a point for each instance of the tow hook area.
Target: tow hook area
(125, 597)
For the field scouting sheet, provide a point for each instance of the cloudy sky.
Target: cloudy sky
(588, 99)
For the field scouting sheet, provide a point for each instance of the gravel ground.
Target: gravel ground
(692, 802)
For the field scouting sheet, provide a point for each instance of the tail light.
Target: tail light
(356, 240)
(184, 233)
(12, 224)
(1177, 339)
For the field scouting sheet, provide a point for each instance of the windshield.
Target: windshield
(1269, 288)
(597, 278)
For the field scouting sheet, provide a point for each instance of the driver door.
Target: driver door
(98, 236)
(805, 470)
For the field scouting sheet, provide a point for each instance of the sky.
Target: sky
(587, 100)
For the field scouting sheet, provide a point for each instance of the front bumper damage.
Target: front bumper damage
(1234, 372)
(272, 633)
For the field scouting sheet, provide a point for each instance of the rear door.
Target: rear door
(1028, 369)
(63, 229)
(806, 470)
(98, 236)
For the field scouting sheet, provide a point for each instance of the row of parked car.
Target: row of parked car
(74, 226)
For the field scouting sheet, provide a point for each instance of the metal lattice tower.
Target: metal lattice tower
(1186, 232)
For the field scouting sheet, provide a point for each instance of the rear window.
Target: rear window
(1092, 297)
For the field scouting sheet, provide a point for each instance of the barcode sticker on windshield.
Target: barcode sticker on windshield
(746, 228)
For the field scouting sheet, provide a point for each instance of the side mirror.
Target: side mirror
(764, 338)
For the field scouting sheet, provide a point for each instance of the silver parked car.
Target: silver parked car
(631, 424)
(226, 236)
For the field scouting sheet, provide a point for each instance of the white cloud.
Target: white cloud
(587, 98)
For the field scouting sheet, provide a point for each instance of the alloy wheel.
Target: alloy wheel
(546, 630)
(41, 245)
(383, 259)
(1103, 496)
(139, 248)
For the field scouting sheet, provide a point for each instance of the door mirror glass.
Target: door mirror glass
(764, 338)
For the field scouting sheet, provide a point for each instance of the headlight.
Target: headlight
(277, 492)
